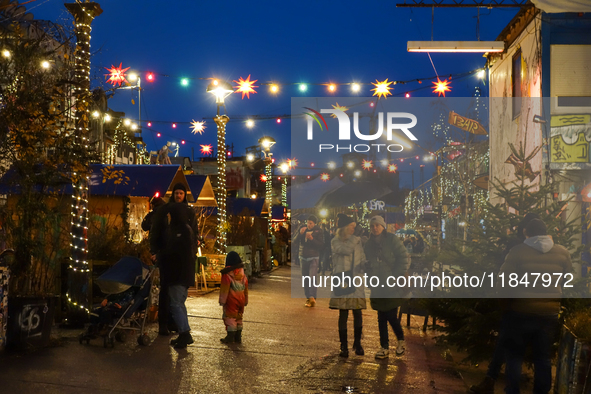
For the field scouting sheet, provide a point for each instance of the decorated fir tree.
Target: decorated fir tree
(471, 324)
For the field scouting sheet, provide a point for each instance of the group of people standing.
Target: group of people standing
(383, 255)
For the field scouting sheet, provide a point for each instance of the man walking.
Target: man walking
(532, 313)
(173, 240)
(311, 238)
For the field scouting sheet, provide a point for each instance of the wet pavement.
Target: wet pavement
(286, 348)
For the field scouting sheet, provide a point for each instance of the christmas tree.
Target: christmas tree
(471, 324)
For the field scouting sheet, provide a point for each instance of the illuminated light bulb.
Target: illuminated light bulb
(274, 88)
(250, 123)
(481, 74)
(45, 64)
(150, 77)
(215, 82)
(133, 126)
(355, 87)
(407, 95)
(173, 144)
(250, 157)
(253, 196)
(308, 176)
(371, 104)
(358, 173)
(384, 162)
(96, 114)
(332, 87)
(127, 122)
(323, 212)
(278, 120)
(132, 77)
(149, 124)
(341, 175)
(303, 87)
(183, 142)
(332, 165)
(284, 167)
(293, 177)
(158, 135)
(312, 164)
(350, 164)
(185, 82)
(229, 153)
(174, 125)
(401, 160)
(417, 157)
(107, 118)
(6, 53)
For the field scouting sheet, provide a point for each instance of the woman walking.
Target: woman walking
(347, 260)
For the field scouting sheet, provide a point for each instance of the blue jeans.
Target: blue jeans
(520, 331)
(383, 319)
(178, 296)
(310, 268)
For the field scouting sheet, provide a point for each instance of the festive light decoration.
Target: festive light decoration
(303, 87)
(263, 178)
(158, 135)
(355, 87)
(292, 162)
(45, 64)
(116, 75)
(367, 164)
(149, 124)
(392, 168)
(150, 77)
(324, 177)
(206, 149)
(174, 125)
(382, 89)
(6, 53)
(274, 88)
(340, 108)
(332, 165)
(441, 87)
(332, 87)
(185, 82)
(250, 123)
(278, 120)
(245, 86)
(198, 126)
(407, 95)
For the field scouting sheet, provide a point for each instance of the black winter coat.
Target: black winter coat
(173, 238)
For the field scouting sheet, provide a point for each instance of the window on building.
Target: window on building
(516, 84)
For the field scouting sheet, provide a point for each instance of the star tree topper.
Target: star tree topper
(245, 86)
(441, 87)
(382, 88)
(116, 75)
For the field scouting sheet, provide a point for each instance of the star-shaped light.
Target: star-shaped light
(339, 107)
(392, 168)
(441, 87)
(366, 164)
(292, 163)
(382, 88)
(206, 149)
(324, 177)
(263, 178)
(198, 127)
(116, 75)
(245, 86)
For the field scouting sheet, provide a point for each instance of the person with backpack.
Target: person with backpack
(173, 241)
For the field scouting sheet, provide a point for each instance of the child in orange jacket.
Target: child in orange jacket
(233, 297)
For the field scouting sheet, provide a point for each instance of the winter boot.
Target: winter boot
(238, 337)
(487, 386)
(344, 347)
(357, 342)
(230, 337)
(182, 340)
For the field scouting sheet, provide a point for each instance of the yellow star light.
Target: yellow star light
(292, 163)
(441, 87)
(324, 177)
(198, 127)
(392, 168)
(367, 164)
(245, 86)
(206, 149)
(382, 88)
(339, 107)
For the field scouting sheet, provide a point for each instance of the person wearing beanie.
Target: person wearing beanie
(348, 259)
(311, 240)
(155, 202)
(233, 297)
(386, 257)
(173, 244)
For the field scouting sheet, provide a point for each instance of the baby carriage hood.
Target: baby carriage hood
(128, 271)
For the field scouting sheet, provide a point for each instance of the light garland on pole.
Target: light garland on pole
(78, 280)
(221, 122)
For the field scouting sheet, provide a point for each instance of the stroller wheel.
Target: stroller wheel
(143, 340)
(120, 336)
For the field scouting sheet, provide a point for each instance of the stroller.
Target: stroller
(128, 285)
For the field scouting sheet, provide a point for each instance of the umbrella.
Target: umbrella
(352, 193)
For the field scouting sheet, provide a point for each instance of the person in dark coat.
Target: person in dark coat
(173, 239)
(155, 203)
(311, 239)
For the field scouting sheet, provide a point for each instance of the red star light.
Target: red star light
(324, 177)
(392, 168)
(292, 163)
(245, 86)
(206, 149)
(366, 164)
(263, 178)
(116, 75)
(441, 87)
